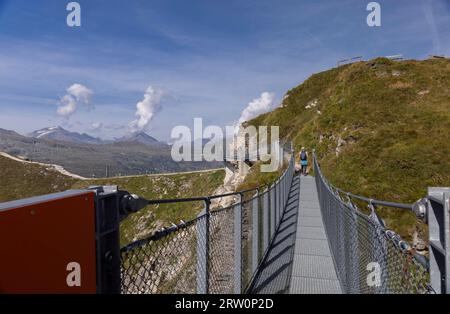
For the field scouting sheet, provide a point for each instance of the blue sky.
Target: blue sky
(208, 58)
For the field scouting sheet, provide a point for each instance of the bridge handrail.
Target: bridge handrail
(228, 243)
(375, 201)
(287, 148)
(357, 240)
(359, 197)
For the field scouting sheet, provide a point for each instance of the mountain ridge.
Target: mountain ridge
(61, 134)
(90, 159)
(140, 137)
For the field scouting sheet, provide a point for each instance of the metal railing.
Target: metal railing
(218, 252)
(368, 258)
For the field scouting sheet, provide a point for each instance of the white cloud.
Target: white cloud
(67, 106)
(81, 93)
(76, 94)
(257, 106)
(147, 108)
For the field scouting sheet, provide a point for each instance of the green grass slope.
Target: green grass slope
(22, 180)
(379, 128)
(154, 217)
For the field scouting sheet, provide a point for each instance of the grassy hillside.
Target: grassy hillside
(155, 217)
(379, 129)
(255, 178)
(21, 180)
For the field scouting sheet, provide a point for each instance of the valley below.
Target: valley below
(20, 180)
(136, 155)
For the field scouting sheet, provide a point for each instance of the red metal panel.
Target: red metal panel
(41, 237)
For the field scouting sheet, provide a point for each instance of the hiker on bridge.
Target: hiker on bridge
(303, 160)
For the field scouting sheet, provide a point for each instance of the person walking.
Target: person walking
(303, 160)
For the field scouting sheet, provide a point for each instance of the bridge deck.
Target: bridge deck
(299, 259)
(313, 268)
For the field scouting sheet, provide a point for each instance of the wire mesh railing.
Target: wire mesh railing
(162, 263)
(218, 252)
(222, 250)
(368, 258)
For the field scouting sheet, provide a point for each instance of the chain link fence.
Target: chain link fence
(368, 257)
(222, 250)
(163, 263)
(218, 252)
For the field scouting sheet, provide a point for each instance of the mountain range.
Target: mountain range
(60, 134)
(87, 156)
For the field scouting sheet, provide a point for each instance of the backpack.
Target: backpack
(303, 155)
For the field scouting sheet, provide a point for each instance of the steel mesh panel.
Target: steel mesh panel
(246, 243)
(162, 263)
(221, 251)
(357, 241)
(263, 223)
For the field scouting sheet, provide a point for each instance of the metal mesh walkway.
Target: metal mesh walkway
(313, 269)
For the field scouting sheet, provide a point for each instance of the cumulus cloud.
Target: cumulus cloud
(81, 93)
(67, 106)
(257, 106)
(76, 94)
(147, 108)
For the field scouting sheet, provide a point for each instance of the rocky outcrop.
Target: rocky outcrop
(341, 142)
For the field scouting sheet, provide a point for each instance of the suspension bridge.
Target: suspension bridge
(300, 234)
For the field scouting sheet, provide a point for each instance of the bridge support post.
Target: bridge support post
(203, 250)
(255, 233)
(238, 245)
(107, 222)
(439, 238)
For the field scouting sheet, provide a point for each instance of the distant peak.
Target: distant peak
(61, 134)
(140, 137)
